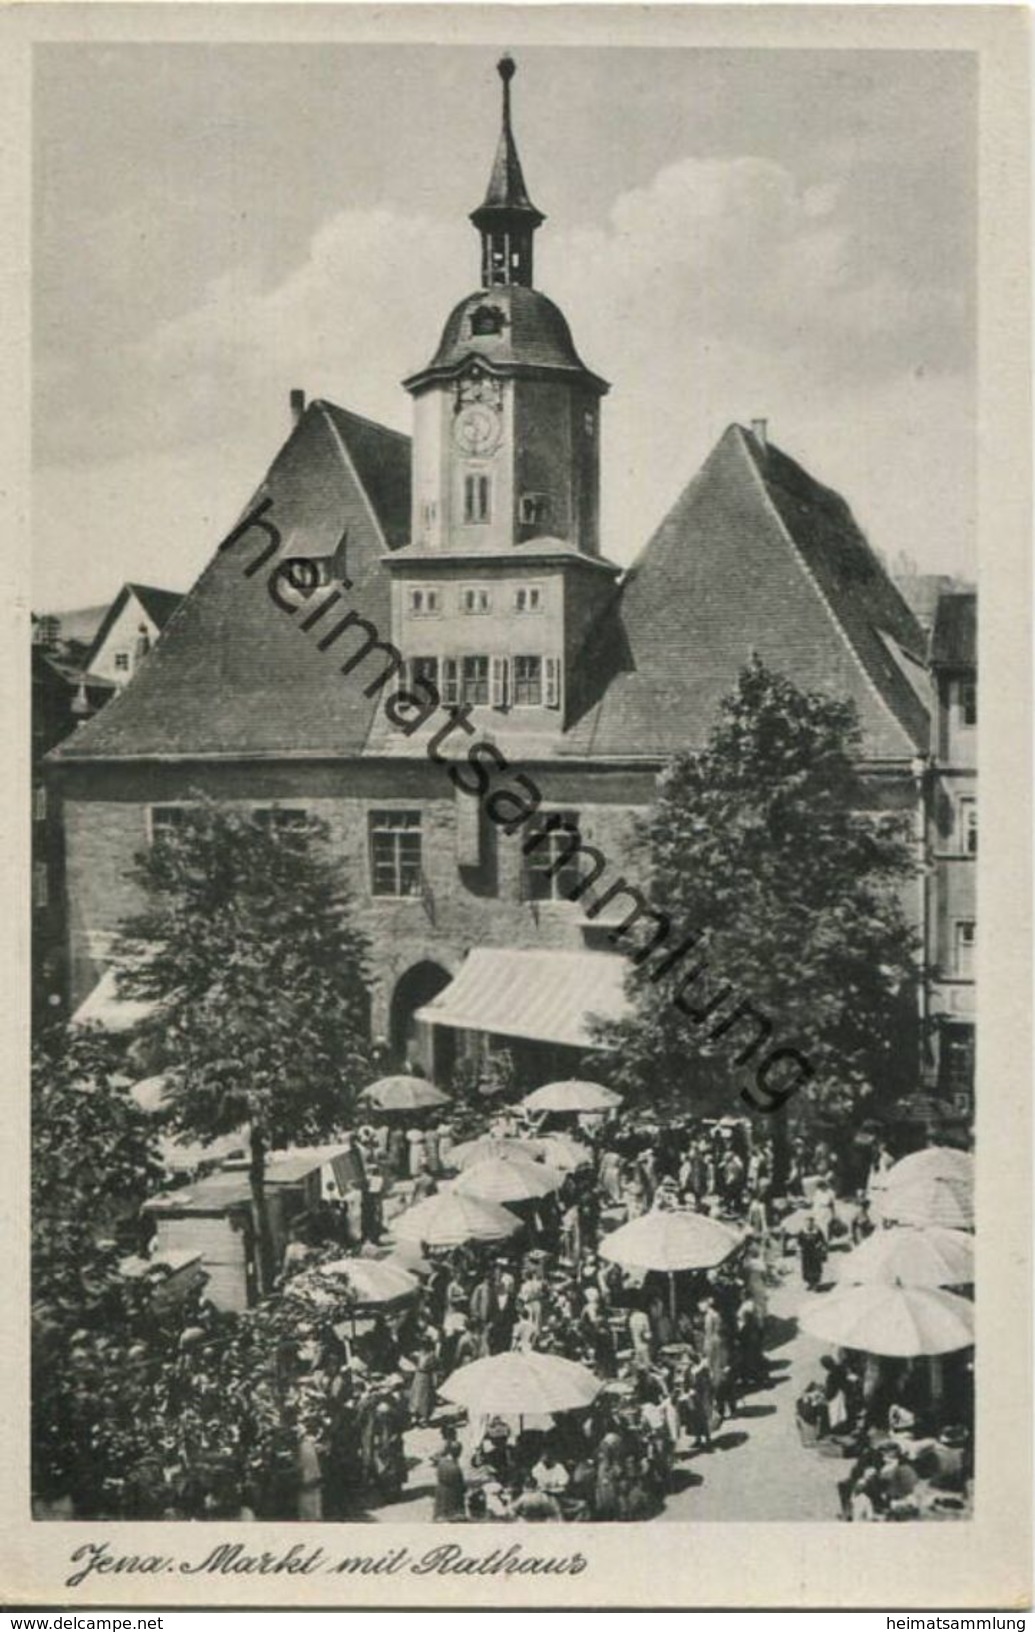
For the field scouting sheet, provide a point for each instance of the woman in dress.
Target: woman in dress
(422, 1388)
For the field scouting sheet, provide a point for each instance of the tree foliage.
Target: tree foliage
(93, 1163)
(771, 847)
(249, 949)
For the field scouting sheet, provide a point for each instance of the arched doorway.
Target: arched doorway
(429, 1047)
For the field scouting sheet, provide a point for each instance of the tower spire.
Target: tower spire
(507, 219)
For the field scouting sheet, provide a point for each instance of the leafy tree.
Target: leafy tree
(770, 847)
(93, 1162)
(249, 950)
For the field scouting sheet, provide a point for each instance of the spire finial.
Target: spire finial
(508, 218)
(506, 68)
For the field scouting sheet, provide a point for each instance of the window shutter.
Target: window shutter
(552, 670)
(500, 682)
(450, 682)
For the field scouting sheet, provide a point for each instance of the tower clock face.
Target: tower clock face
(477, 428)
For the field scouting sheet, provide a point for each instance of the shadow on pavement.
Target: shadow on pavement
(682, 1479)
(780, 1330)
(729, 1440)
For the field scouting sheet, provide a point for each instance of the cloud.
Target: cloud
(723, 289)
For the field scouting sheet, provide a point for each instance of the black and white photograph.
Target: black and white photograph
(503, 611)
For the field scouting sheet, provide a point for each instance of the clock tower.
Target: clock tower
(506, 414)
(502, 577)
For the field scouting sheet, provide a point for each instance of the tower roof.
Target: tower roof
(506, 191)
(511, 329)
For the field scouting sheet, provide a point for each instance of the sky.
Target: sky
(732, 235)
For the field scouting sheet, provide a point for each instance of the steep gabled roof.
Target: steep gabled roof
(754, 557)
(954, 637)
(232, 674)
(159, 604)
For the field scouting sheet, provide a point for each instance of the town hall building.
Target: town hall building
(470, 557)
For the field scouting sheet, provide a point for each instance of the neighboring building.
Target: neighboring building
(77, 666)
(953, 850)
(476, 552)
(62, 697)
(128, 631)
(922, 592)
(69, 633)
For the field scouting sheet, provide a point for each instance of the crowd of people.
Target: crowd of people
(302, 1406)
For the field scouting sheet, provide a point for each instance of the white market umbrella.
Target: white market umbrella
(450, 1220)
(670, 1242)
(370, 1281)
(504, 1150)
(948, 1202)
(404, 1094)
(571, 1095)
(902, 1321)
(504, 1181)
(565, 1153)
(911, 1257)
(936, 1162)
(521, 1385)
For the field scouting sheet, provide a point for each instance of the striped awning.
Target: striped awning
(548, 997)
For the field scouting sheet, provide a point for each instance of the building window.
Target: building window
(534, 509)
(957, 1060)
(39, 802)
(122, 662)
(475, 598)
(477, 499)
(528, 682)
(966, 938)
(165, 820)
(425, 603)
(474, 680)
(552, 869)
(395, 852)
(968, 827)
(276, 820)
(528, 598)
(40, 885)
(968, 702)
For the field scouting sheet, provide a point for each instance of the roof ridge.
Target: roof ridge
(325, 403)
(840, 505)
(350, 465)
(742, 441)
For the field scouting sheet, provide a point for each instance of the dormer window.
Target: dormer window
(534, 509)
(487, 320)
(299, 575)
